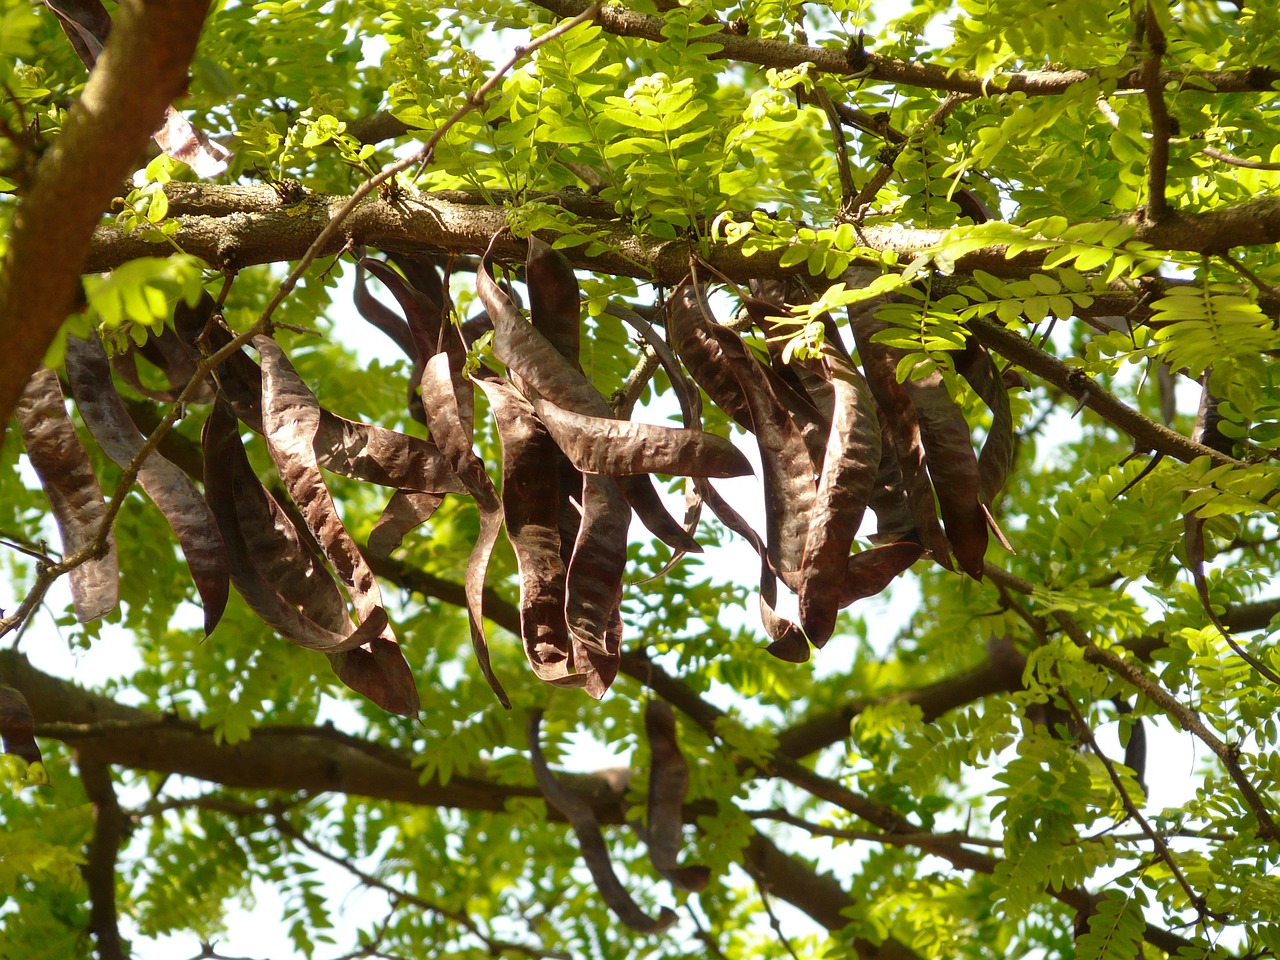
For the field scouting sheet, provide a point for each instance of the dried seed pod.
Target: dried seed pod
(169, 488)
(668, 786)
(554, 302)
(898, 414)
(291, 417)
(974, 363)
(849, 470)
(379, 314)
(74, 495)
(618, 448)
(360, 451)
(788, 640)
(286, 584)
(531, 503)
(539, 370)
(595, 853)
(17, 725)
(236, 495)
(719, 361)
(953, 468)
(447, 425)
(405, 511)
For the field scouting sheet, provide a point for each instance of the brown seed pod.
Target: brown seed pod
(73, 492)
(530, 503)
(539, 370)
(595, 853)
(452, 433)
(668, 787)
(169, 488)
(849, 470)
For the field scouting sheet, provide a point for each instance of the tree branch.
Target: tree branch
(1146, 433)
(267, 228)
(1158, 160)
(1187, 718)
(842, 61)
(100, 859)
(142, 69)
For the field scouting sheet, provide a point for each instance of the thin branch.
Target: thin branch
(459, 917)
(848, 189)
(1147, 434)
(870, 836)
(1224, 157)
(623, 22)
(1161, 130)
(1187, 718)
(100, 859)
(882, 176)
(1085, 731)
(762, 887)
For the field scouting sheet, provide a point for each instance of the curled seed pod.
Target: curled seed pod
(719, 361)
(595, 853)
(286, 583)
(898, 415)
(974, 363)
(871, 571)
(554, 303)
(447, 425)
(953, 468)
(788, 640)
(379, 314)
(291, 416)
(173, 493)
(360, 451)
(73, 492)
(668, 787)
(593, 582)
(405, 511)
(233, 490)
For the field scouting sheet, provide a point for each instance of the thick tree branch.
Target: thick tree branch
(842, 61)
(234, 227)
(143, 68)
(323, 760)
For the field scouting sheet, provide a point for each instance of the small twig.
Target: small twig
(705, 938)
(27, 547)
(1215, 154)
(848, 189)
(1161, 848)
(773, 917)
(1266, 289)
(1161, 130)
(494, 946)
(1189, 720)
(896, 839)
(882, 176)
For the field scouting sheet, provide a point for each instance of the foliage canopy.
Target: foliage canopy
(1045, 230)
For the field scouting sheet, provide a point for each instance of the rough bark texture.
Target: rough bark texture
(143, 68)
